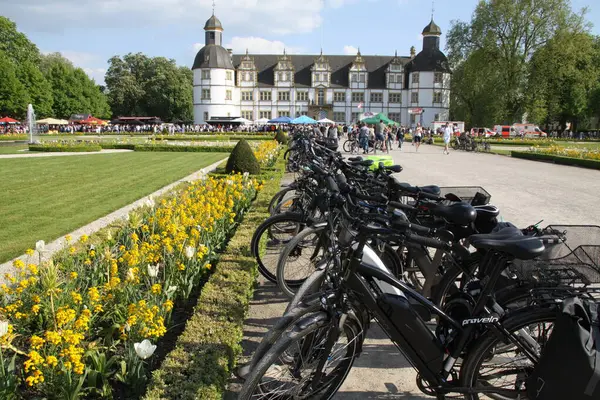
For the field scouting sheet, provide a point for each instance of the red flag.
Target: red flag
(360, 105)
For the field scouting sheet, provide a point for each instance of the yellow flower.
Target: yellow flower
(94, 294)
(83, 238)
(53, 337)
(36, 298)
(35, 378)
(181, 267)
(64, 315)
(51, 361)
(18, 264)
(168, 305)
(36, 342)
(30, 252)
(98, 308)
(68, 238)
(73, 275)
(33, 269)
(35, 309)
(71, 250)
(77, 298)
(92, 253)
(156, 288)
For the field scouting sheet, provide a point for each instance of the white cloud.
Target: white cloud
(258, 45)
(92, 64)
(249, 16)
(97, 74)
(350, 50)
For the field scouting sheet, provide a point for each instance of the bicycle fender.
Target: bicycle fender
(318, 319)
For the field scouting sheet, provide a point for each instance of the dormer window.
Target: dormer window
(354, 77)
(207, 58)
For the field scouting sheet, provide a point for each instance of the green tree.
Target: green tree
(16, 45)
(144, 86)
(37, 87)
(506, 34)
(563, 76)
(72, 90)
(13, 96)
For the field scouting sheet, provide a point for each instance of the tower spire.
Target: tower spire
(432, 8)
(213, 7)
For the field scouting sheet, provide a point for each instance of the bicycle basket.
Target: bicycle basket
(474, 195)
(575, 261)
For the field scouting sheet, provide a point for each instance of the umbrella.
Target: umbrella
(303, 120)
(325, 121)
(7, 120)
(52, 121)
(281, 120)
(262, 121)
(93, 121)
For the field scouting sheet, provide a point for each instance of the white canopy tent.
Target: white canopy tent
(262, 121)
(52, 121)
(325, 121)
(242, 121)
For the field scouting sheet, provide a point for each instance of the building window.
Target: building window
(376, 97)
(228, 95)
(358, 97)
(247, 115)
(361, 78)
(284, 113)
(205, 116)
(438, 77)
(339, 116)
(415, 77)
(304, 113)
(395, 97)
(321, 97)
(247, 95)
(302, 96)
(205, 74)
(394, 117)
(413, 119)
(437, 97)
(205, 94)
(392, 78)
(247, 77)
(265, 96)
(339, 97)
(436, 117)
(283, 96)
(355, 117)
(354, 77)
(265, 114)
(229, 75)
(414, 97)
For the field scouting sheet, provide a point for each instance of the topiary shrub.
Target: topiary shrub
(281, 137)
(242, 159)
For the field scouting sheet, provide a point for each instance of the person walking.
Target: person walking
(447, 137)
(363, 138)
(418, 136)
(400, 137)
(389, 139)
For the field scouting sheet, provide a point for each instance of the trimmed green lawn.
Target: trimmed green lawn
(12, 148)
(45, 198)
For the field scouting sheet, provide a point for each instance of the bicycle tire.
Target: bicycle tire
(267, 226)
(278, 197)
(301, 330)
(289, 286)
(347, 146)
(481, 349)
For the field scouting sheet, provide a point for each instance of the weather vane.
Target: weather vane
(432, 8)
(213, 7)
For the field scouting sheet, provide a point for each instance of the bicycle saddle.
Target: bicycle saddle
(457, 213)
(354, 159)
(487, 211)
(515, 245)
(407, 187)
(363, 163)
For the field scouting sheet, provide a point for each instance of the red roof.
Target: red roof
(8, 120)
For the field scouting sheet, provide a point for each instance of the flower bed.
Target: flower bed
(266, 153)
(214, 138)
(166, 147)
(207, 351)
(86, 324)
(582, 153)
(521, 142)
(11, 137)
(66, 146)
(557, 159)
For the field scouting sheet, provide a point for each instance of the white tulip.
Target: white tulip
(153, 270)
(190, 251)
(40, 246)
(150, 202)
(145, 349)
(171, 290)
(246, 175)
(3, 328)
(127, 327)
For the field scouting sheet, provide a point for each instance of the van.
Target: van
(485, 132)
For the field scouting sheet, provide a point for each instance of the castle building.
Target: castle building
(339, 87)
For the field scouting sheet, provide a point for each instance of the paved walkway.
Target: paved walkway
(526, 192)
(95, 226)
(62, 154)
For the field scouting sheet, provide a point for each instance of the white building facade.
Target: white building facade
(408, 89)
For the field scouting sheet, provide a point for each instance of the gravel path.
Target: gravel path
(61, 154)
(95, 226)
(526, 192)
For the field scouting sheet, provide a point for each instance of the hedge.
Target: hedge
(119, 146)
(202, 149)
(185, 133)
(78, 148)
(206, 352)
(578, 162)
(218, 138)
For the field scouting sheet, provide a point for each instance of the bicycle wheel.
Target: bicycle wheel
(299, 258)
(494, 363)
(270, 237)
(287, 369)
(347, 146)
(279, 197)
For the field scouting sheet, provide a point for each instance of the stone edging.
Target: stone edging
(92, 227)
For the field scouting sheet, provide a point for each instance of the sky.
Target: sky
(89, 32)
